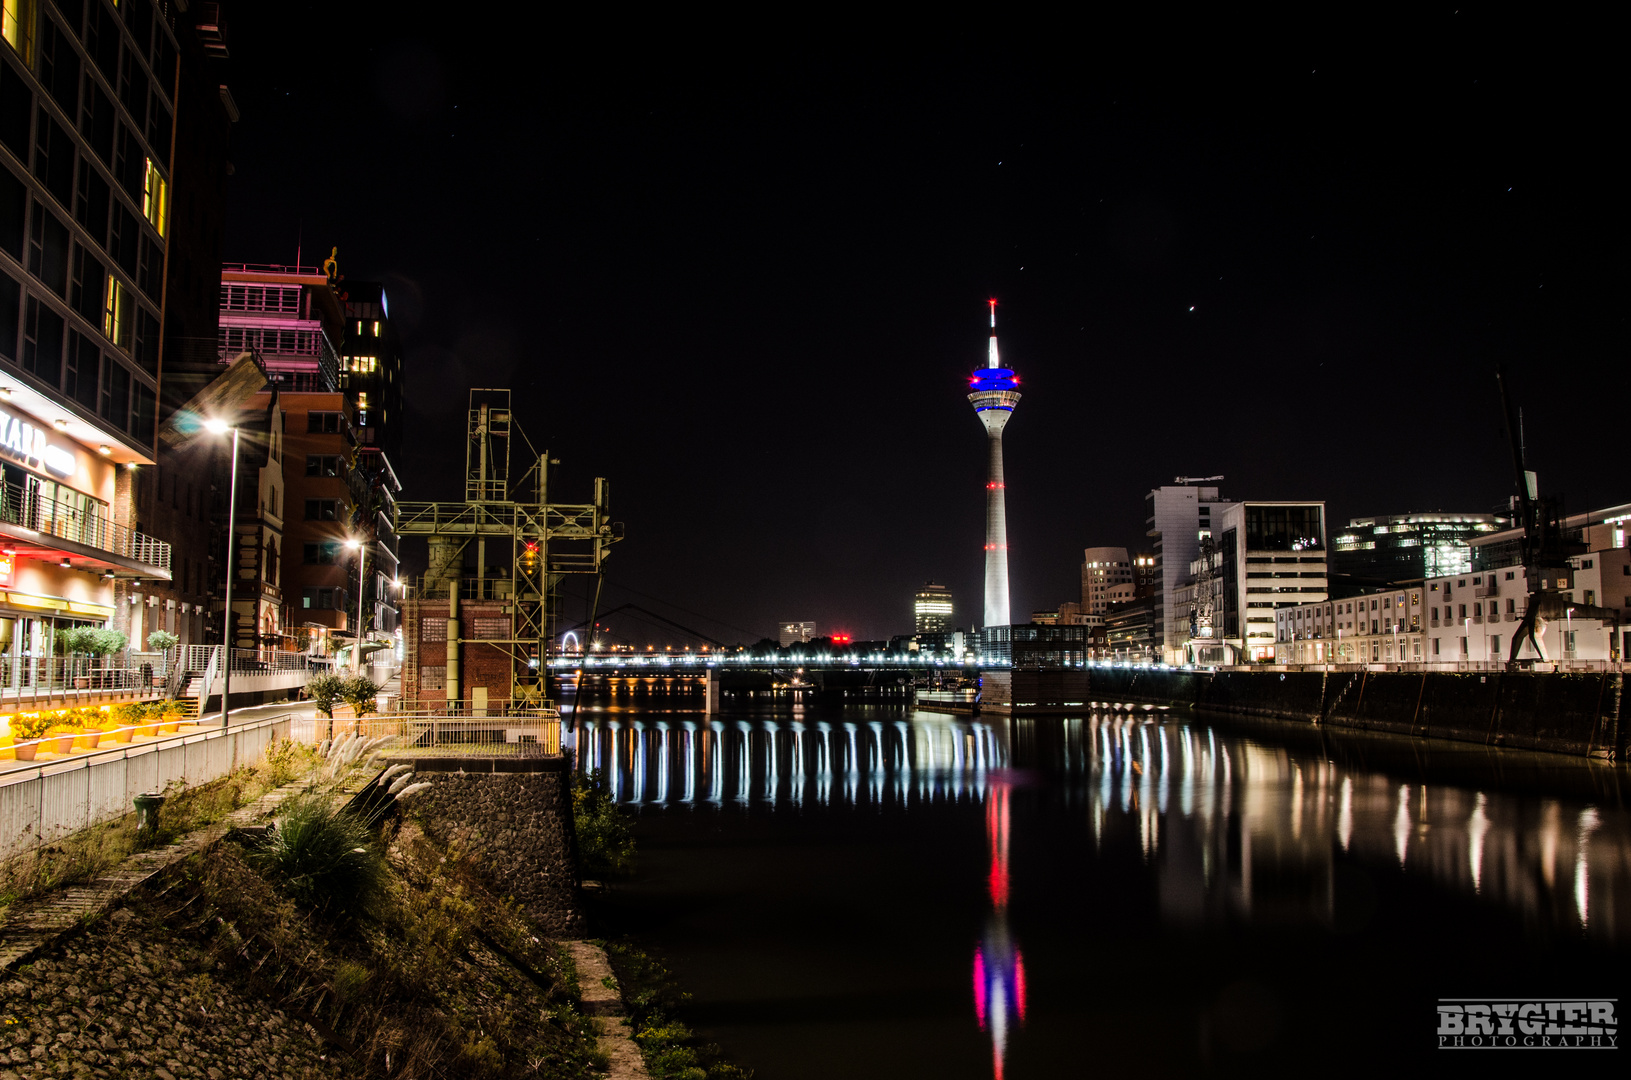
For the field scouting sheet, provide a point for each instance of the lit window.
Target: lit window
(116, 315)
(156, 199)
(17, 27)
(376, 328)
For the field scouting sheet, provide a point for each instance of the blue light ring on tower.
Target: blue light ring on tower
(993, 379)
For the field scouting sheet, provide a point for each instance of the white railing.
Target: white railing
(535, 732)
(251, 661)
(44, 802)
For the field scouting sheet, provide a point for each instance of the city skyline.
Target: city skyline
(1300, 276)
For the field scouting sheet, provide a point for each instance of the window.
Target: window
(1586, 564)
(323, 465)
(155, 198)
(1509, 575)
(13, 213)
(84, 369)
(322, 510)
(320, 599)
(323, 553)
(85, 285)
(1494, 607)
(91, 203)
(54, 158)
(17, 27)
(323, 423)
(116, 395)
(48, 250)
(42, 343)
(59, 65)
(116, 313)
(1463, 614)
(1591, 597)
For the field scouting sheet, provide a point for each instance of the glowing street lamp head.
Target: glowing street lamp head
(353, 544)
(217, 426)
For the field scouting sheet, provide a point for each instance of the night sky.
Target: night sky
(742, 273)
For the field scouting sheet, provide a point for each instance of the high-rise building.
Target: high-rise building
(1103, 568)
(1176, 516)
(1269, 555)
(289, 316)
(86, 131)
(994, 396)
(371, 365)
(794, 632)
(931, 609)
(1379, 551)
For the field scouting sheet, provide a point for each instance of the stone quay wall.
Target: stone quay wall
(1580, 714)
(514, 816)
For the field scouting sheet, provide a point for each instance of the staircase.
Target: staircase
(192, 688)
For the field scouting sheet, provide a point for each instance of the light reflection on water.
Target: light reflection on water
(1209, 809)
(1229, 827)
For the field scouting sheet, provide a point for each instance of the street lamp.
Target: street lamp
(356, 639)
(221, 427)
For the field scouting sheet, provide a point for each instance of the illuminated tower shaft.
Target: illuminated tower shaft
(994, 396)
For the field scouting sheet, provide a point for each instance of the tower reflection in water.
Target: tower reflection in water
(999, 967)
(1228, 827)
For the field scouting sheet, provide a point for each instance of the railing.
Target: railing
(252, 661)
(79, 524)
(38, 676)
(514, 733)
(42, 803)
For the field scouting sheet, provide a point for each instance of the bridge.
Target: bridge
(702, 663)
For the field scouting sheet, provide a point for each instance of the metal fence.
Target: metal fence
(513, 733)
(251, 661)
(30, 680)
(1479, 666)
(42, 803)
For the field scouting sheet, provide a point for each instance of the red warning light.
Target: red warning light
(840, 639)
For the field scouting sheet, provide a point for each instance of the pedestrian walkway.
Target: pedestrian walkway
(602, 1000)
(34, 925)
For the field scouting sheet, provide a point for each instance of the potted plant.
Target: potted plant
(161, 641)
(148, 718)
(170, 715)
(26, 730)
(119, 723)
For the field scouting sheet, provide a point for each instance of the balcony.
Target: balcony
(51, 529)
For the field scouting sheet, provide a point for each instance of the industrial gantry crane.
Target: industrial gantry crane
(538, 541)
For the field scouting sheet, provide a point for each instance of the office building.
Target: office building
(86, 107)
(1379, 551)
(1175, 518)
(931, 609)
(995, 393)
(371, 365)
(794, 632)
(1270, 555)
(1104, 568)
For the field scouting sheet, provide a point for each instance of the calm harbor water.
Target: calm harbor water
(869, 891)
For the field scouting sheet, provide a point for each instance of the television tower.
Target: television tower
(995, 394)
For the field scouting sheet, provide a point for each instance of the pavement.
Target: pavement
(602, 1000)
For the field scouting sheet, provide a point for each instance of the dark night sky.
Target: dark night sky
(746, 282)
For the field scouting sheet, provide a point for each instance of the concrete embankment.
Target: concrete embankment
(1563, 713)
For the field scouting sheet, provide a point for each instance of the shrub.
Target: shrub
(322, 857)
(162, 641)
(605, 844)
(361, 693)
(25, 727)
(325, 691)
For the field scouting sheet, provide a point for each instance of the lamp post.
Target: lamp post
(356, 639)
(221, 427)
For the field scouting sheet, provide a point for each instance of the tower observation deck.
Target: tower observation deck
(995, 393)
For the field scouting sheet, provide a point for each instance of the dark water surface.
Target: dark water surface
(877, 892)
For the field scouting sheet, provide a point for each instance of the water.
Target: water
(872, 892)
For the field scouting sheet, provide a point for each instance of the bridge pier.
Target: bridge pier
(710, 692)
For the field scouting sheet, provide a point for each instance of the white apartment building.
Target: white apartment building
(1384, 627)
(1175, 518)
(1271, 555)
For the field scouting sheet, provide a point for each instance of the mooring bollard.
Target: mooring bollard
(147, 814)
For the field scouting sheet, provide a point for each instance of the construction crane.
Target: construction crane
(1545, 557)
